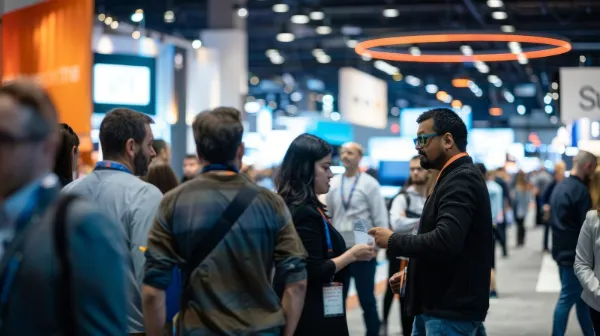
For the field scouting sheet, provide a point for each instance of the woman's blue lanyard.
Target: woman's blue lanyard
(111, 165)
(344, 203)
(327, 235)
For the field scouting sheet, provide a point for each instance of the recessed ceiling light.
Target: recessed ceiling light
(466, 50)
(138, 16)
(351, 43)
(521, 109)
(554, 86)
(366, 57)
(281, 8)
(114, 25)
(136, 34)
(495, 3)
(499, 15)
(278, 59)
(196, 44)
(242, 12)
(323, 30)
(508, 29)
(548, 109)
(285, 37)
(324, 59)
(299, 19)
(415, 51)
(317, 15)
(582, 59)
(169, 16)
(391, 12)
(317, 52)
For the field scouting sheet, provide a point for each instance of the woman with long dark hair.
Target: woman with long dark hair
(67, 155)
(162, 176)
(304, 174)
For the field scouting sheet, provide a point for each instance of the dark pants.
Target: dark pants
(363, 273)
(546, 236)
(500, 237)
(520, 231)
(570, 294)
(388, 300)
(595, 315)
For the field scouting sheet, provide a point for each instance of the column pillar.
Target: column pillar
(228, 37)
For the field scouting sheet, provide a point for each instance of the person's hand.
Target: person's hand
(381, 235)
(396, 282)
(362, 252)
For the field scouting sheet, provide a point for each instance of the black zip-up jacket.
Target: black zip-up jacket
(569, 203)
(451, 257)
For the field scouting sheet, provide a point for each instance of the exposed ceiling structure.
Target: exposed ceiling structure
(344, 22)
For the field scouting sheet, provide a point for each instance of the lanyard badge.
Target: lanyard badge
(344, 203)
(333, 292)
(111, 165)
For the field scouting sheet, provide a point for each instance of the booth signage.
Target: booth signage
(579, 93)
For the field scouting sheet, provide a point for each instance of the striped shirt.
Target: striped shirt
(232, 289)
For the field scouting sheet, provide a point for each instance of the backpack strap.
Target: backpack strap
(65, 298)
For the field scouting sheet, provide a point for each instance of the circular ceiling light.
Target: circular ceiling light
(391, 12)
(495, 3)
(499, 15)
(281, 8)
(508, 29)
(323, 30)
(299, 19)
(555, 46)
(317, 15)
(169, 16)
(285, 37)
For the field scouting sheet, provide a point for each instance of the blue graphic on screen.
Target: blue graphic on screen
(335, 133)
(393, 173)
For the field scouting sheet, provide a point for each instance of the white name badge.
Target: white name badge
(333, 299)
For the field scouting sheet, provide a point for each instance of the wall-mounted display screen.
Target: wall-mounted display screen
(393, 173)
(124, 81)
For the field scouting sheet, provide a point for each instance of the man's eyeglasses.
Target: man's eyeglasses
(421, 140)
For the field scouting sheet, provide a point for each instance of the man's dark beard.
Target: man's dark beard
(140, 163)
(420, 182)
(428, 164)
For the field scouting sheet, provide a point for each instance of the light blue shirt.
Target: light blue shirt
(496, 201)
(133, 204)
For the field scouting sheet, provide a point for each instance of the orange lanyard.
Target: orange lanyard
(452, 159)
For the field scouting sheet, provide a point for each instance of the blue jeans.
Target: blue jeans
(363, 273)
(570, 294)
(432, 326)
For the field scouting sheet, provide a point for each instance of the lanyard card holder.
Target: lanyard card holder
(333, 299)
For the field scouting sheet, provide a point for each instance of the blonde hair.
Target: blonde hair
(595, 190)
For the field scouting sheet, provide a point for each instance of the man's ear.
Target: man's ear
(448, 141)
(130, 148)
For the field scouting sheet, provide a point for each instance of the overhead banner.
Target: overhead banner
(52, 42)
(363, 99)
(579, 93)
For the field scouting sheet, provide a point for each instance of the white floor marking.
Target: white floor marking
(548, 279)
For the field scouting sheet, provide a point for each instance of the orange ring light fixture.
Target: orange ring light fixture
(555, 46)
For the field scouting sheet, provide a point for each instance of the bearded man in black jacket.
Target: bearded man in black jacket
(447, 281)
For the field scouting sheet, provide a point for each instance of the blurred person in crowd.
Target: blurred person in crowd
(304, 174)
(540, 181)
(191, 167)
(503, 179)
(126, 140)
(587, 264)
(250, 172)
(454, 244)
(63, 267)
(163, 152)
(227, 234)
(594, 186)
(559, 175)
(496, 205)
(569, 204)
(405, 214)
(353, 196)
(522, 196)
(162, 176)
(67, 155)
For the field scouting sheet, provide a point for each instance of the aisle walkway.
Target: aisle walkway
(528, 286)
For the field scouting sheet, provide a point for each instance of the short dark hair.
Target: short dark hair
(43, 118)
(63, 163)
(296, 176)
(120, 125)
(218, 134)
(190, 156)
(447, 121)
(481, 168)
(159, 145)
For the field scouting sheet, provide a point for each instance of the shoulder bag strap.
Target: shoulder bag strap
(203, 248)
(64, 297)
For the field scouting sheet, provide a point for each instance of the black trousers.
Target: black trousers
(520, 231)
(500, 237)
(405, 320)
(595, 315)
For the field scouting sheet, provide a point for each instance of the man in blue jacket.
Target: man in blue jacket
(451, 256)
(569, 203)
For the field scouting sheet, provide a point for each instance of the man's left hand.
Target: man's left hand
(381, 235)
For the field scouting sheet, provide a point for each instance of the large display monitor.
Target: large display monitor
(393, 173)
(124, 81)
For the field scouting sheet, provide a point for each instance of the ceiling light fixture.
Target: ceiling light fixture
(242, 12)
(499, 15)
(317, 51)
(391, 12)
(556, 46)
(521, 109)
(554, 86)
(169, 16)
(281, 8)
(431, 88)
(466, 50)
(508, 29)
(415, 51)
(386, 67)
(324, 59)
(351, 43)
(495, 3)
(582, 59)
(285, 37)
(509, 97)
(461, 82)
(456, 104)
(412, 80)
(196, 44)
(317, 15)
(549, 109)
(300, 19)
(495, 111)
(277, 59)
(114, 25)
(138, 16)
(136, 34)
(323, 30)
(515, 47)
(522, 59)
(101, 17)
(108, 20)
